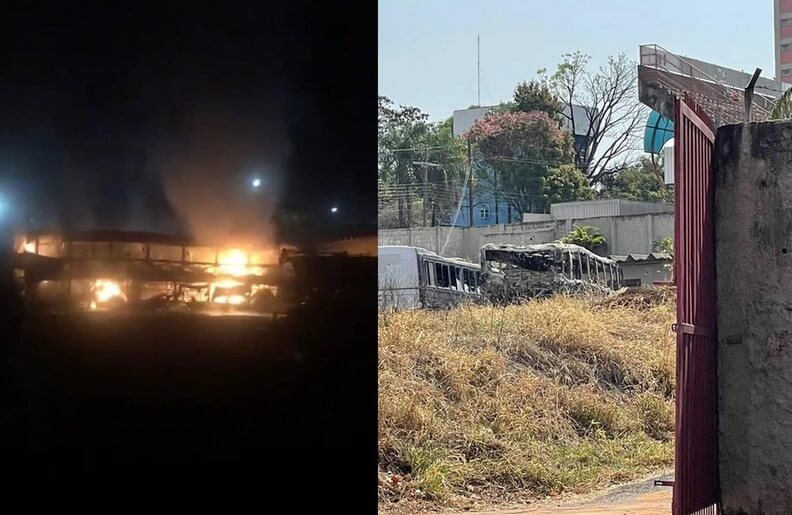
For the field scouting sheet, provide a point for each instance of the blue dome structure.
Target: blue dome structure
(659, 129)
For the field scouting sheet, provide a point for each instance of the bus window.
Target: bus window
(429, 275)
(452, 283)
(577, 265)
(469, 281)
(441, 275)
(571, 260)
(564, 263)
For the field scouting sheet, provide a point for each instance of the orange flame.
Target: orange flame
(106, 290)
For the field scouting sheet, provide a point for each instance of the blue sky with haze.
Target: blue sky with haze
(427, 48)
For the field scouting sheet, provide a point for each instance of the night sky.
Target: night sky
(155, 118)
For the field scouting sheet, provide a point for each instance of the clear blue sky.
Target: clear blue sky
(427, 48)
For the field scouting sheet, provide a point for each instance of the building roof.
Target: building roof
(119, 236)
(606, 207)
(542, 247)
(719, 91)
(464, 119)
(641, 258)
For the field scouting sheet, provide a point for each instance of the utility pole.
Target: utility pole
(478, 70)
(470, 185)
(495, 190)
(749, 92)
(426, 165)
(425, 190)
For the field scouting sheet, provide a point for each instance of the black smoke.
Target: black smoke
(128, 120)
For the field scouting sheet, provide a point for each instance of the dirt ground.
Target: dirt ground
(639, 498)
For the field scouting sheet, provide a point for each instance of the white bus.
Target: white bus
(412, 277)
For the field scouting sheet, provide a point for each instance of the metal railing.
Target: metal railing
(723, 102)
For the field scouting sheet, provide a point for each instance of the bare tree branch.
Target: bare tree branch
(609, 98)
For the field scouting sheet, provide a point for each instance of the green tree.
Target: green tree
(641, 181)
(586, 236)
(515, 152)
(530, 96)
(783, 107)
(566, 184)
(667, 245)
(418, 161)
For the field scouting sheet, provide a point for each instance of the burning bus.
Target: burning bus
(101, 270)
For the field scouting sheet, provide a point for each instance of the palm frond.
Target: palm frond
(783, 107)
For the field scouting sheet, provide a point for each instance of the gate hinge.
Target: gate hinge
(659, 482)
(692, 329)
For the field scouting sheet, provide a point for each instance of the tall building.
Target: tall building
(783, 40)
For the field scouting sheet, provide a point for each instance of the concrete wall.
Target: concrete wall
(446, 241)
(632, 234)
(753, 227)
(648, 272)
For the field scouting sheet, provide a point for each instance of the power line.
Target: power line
(411, 149)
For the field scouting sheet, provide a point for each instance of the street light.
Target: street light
(256, 183)
(334, 209)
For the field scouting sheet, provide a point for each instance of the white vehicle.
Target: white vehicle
(412, 277)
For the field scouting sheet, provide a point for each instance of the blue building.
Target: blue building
(487, 209)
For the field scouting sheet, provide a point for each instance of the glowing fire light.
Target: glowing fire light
(226, 296)
(227, 283)
(30, 246)
(230, 299)
(106, 290)
(233, 262)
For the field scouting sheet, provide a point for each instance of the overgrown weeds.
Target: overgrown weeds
(496, 404)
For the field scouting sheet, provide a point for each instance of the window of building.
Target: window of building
(484, 211)
(785, 46)
(785, 22)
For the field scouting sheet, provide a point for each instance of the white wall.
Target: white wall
(630, 234)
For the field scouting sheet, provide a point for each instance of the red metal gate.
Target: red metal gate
(696, 453)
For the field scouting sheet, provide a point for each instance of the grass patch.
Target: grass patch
(498, 404)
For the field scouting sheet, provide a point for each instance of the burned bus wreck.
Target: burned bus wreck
(104, 270)
(512, 273)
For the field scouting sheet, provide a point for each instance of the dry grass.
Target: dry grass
(492, 404)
